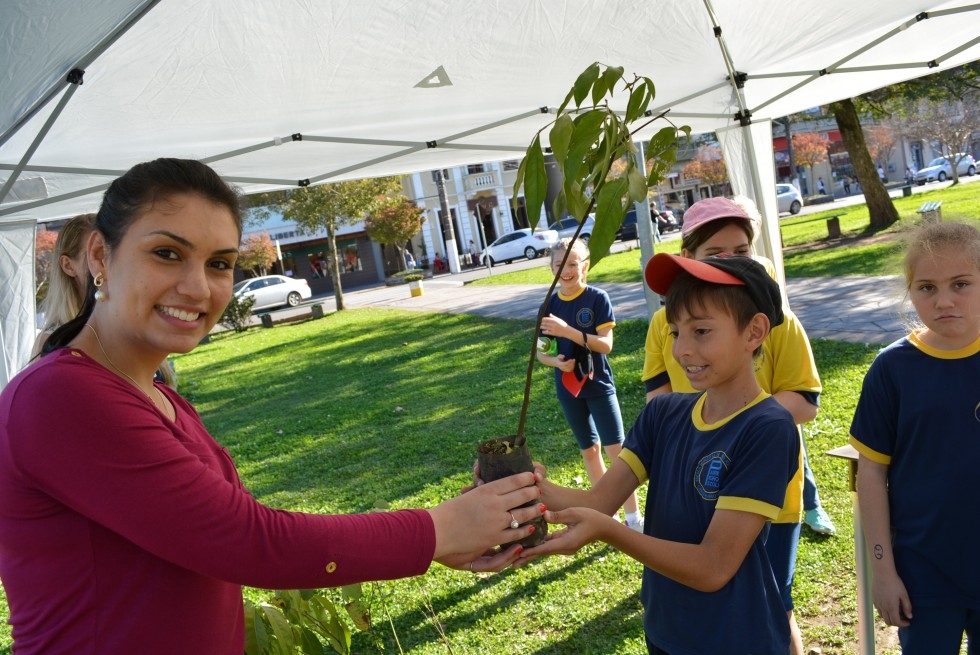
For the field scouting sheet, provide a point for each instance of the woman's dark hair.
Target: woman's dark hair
(129, 196)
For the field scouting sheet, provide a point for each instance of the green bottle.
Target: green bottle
(547, 346)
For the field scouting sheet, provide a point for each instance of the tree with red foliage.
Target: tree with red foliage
(708, 166)
(810, 149)
(44, 242)
(257, 253)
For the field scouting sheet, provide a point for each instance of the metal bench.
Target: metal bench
(931, 211)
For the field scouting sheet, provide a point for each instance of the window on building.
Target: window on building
(473, 169)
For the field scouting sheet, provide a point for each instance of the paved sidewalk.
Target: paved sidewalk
(854, 308)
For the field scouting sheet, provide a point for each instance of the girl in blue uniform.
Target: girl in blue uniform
(718, 463)
(917, 429)
(581, 319)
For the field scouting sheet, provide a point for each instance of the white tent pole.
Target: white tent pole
(644, 233)
(47, 201)
(75, 80)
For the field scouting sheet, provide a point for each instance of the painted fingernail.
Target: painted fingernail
(532, 530)
(520, 549)
(543, 508)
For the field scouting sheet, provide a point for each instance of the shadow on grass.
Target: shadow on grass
(371, 414)
(600, 634)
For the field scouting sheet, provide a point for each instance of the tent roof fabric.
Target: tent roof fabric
(382, 88)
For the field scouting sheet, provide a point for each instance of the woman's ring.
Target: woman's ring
(513, 522)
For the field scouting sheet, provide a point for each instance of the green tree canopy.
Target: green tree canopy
(328, 206)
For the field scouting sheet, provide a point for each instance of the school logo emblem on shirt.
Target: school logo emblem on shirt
(710, 473)
(585, 317)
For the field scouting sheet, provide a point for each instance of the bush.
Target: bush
(414, 277)
(238, 313)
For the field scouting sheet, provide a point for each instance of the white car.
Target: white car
(788, 198)
(566, 227)
(273, 291)
(517, 244)
(939, 169)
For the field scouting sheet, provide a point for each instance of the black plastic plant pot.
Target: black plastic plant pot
(498, 458)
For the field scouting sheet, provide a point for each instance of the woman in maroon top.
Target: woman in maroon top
(123, 525)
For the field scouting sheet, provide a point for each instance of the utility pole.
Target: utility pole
(452, 254)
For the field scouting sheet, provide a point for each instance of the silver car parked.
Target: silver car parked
(939, 169)
(273, 291)
(788, 198)
(517, 244)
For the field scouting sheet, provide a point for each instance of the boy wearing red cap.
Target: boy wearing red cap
(786, 369)
(717, 462)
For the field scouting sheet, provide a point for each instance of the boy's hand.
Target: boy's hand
(564, 365)
(552, 325)
(892, 600)
(583, 526)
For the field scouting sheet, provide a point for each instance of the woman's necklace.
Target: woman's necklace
(163, 405)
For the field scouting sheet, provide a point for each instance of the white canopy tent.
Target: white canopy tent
(275, 93)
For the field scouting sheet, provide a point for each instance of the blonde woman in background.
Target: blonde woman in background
(69, 281)
(69, 278)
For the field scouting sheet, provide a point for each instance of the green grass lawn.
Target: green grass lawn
(364, 406)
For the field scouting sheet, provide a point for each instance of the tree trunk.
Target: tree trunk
(338, 291)
(880, 206)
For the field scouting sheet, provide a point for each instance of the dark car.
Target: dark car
(627, 230)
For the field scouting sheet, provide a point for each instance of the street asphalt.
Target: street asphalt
(854, 308)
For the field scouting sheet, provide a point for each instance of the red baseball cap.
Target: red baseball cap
(663, 269)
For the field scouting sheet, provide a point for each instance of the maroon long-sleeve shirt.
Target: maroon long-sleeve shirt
(122, 532)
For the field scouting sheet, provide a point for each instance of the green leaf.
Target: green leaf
(606, 84)
(559, 207)
(560, 135)
(352, 591)
(578, 202)
(256, 639)
(280, 626)
(661, 154)
(309, 643)
(359, 614)
(609, 214)
(535, 181)
(584, 83)
(331, 627)
(519, 179)
(585, 134)
(637, 183)
(634, 105)
(651, 89)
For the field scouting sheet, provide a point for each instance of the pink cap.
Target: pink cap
(709, 209)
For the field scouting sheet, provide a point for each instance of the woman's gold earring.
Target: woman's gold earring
(100, 295)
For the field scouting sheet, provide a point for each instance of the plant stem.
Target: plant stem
(519, 440)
